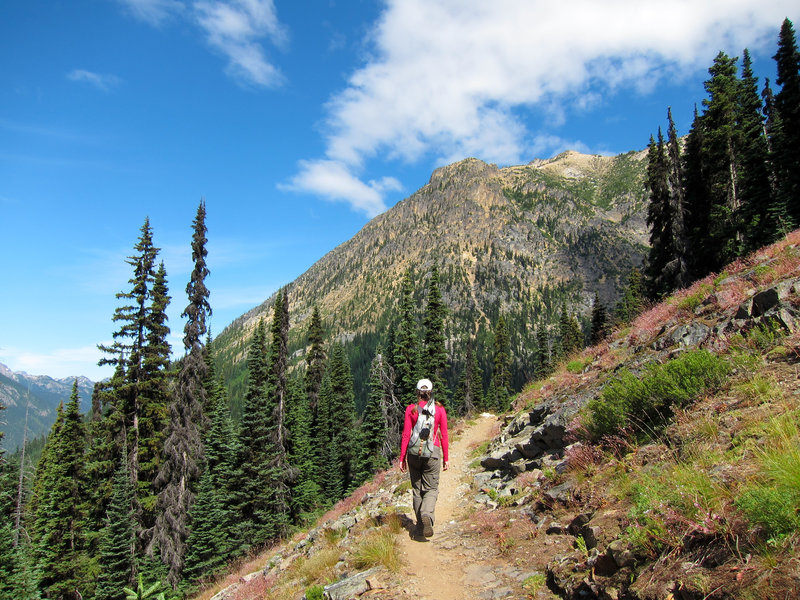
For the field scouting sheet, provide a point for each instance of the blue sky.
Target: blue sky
(297, 122)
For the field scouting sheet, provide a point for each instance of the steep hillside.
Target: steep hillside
(44, 393)
(518, 240)
(696, 499)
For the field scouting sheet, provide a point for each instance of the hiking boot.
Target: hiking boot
(427, 526)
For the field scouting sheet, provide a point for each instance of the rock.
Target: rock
(350, 587)
(560, 493)
(577, 524)
(555, 528)
(764, 301)
(621, 554)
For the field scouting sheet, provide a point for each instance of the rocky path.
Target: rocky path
(456, 563)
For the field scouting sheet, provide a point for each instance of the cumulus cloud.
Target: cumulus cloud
(237, 29)
(335, 181)
(447, 79)
(59, 363)
(102, 82)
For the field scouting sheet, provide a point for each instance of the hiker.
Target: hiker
(423, 450)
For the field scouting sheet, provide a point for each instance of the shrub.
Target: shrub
(648, 400)
(772, 500)
(315, 592)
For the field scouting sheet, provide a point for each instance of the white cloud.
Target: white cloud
(102, 82)
(236, 29)
(154, 12)
(447, 79)
(336, 182)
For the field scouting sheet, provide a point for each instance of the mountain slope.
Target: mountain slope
(700, 505)
(518, 240)
(45, 395)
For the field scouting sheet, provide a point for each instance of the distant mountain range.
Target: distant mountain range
(517, 240)
(42, 394)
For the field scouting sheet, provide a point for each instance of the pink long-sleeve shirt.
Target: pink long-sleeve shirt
(439, 428)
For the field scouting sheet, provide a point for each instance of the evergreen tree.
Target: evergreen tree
(434, 360)
(254, 438)
(570, 331)
(305, 491)
(336, 434)
(136, 405)
(600, 321)
(405, 352)
(787, 135)
(722, 158)
(659, 220)
(315, 360)
(118, 544)
(696, 197)
(679, 266)
(501, 374)
(543, 362)
(757, 199)
(59, 518)
(281, 475)
(183, 446)
(469, 394)
(374, 428)
(778, 212)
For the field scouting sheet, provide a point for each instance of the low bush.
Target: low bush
(646, 401)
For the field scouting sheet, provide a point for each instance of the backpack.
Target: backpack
(423, 436)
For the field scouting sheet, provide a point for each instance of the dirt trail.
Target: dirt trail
(453, 565)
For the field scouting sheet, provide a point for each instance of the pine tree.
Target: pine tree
(757, 198)
(281, 475)
(59, 518)
(543, 362)
(405, 352)
(469, 394)
(305, 491)
(600, 321)
(570, 332)
(778, 212)
(434, 360)
(183, 447)
(374, 428)
(787, 107)
(697, 201)
(118, 544)
(679, 266)
(131, 389)
(501, 374)
(337, 426)
(659, 220)
(722, 158)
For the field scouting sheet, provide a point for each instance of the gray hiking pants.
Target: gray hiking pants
(424, 474)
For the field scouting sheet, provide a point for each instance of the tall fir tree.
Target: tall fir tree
(118, 543)
(722, 159)
(336, 434)
(372, 455)
(659, 220)
(305, 491)
(59, 521)
(600, 321)
(543, 360)
(133, 397)
(570, 332)
(697, 205)
(679, 266)
(469, 393)
(281, 474)
(501, 372)
(405, 352)
(787, 134)
(183, 446)
(254, 438)
(435, 358)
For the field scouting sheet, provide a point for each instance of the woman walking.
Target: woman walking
(423, 451)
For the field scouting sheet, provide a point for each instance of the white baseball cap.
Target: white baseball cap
(424, 385)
